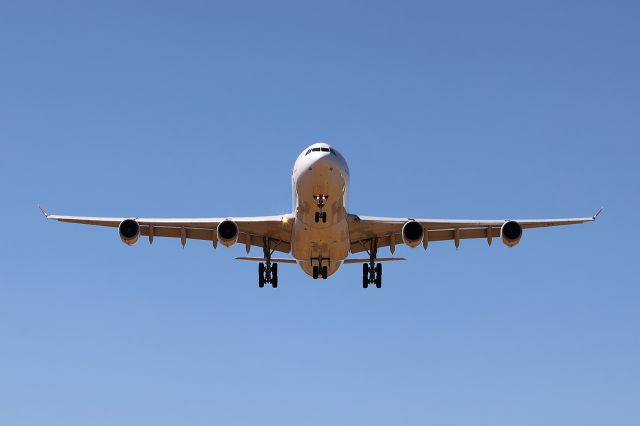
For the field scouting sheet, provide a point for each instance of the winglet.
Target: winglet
(595, 216)
(46, 215)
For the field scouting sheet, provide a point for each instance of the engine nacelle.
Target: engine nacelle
(228, 233)
(412, 234)
(129, 230)
(511, 232)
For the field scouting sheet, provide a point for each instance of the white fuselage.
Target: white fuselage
(320, 171)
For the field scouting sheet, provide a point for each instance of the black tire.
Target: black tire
(324, 217)
(274, 275)
(325, 273)
(365, 275)
(379, 275)
(317, 217)
(315, 272)
(261, 279)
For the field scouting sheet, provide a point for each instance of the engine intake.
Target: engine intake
(129, 230)
(228, 233)
(412, 234)
(511, 233)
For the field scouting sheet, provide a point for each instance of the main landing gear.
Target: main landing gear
(372, 272)
(321, 200)
(319, 270)
(267, 272)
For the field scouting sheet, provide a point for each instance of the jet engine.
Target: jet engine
(129, 230)
(412, 234)
(228, 233)
(511, 232)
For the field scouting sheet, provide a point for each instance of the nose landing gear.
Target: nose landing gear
(321, 200)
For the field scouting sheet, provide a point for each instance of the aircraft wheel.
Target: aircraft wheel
(315, 272)
(365, 275)
(274, 275)
(325, 273)
(317, 217)
(261, 279)
(379, 275)
(324, 217)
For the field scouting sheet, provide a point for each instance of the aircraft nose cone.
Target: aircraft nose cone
(323, 162)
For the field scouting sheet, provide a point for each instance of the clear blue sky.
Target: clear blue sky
(443, 109)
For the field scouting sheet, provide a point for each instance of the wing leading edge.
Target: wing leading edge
(387, 232)
(252, 230)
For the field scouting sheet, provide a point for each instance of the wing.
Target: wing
(253, 231)
(387, 232)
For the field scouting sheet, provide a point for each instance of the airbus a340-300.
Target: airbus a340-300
(320, 233)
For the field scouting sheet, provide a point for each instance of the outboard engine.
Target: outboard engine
(511, 232)
(412, 233)
(228, 233)
(129, 230)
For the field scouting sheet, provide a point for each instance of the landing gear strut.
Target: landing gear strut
(372, 272)
(321, 200)
(267, 272)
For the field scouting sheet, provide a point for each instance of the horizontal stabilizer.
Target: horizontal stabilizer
(262, 259)
(380, 259)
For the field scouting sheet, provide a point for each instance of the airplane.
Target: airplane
(320, 233)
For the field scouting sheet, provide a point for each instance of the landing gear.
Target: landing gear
(267, 272)
(320, 272)
(321, 200)
(372, 271)
(261, 275)
(274, 275)
(365, 275)
(371, 274)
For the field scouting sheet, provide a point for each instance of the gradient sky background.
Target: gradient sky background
(443, 109)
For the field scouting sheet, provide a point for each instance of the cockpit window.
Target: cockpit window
(323, 149)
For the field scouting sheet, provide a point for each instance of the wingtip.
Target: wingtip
(595, 216)
(44, 213)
